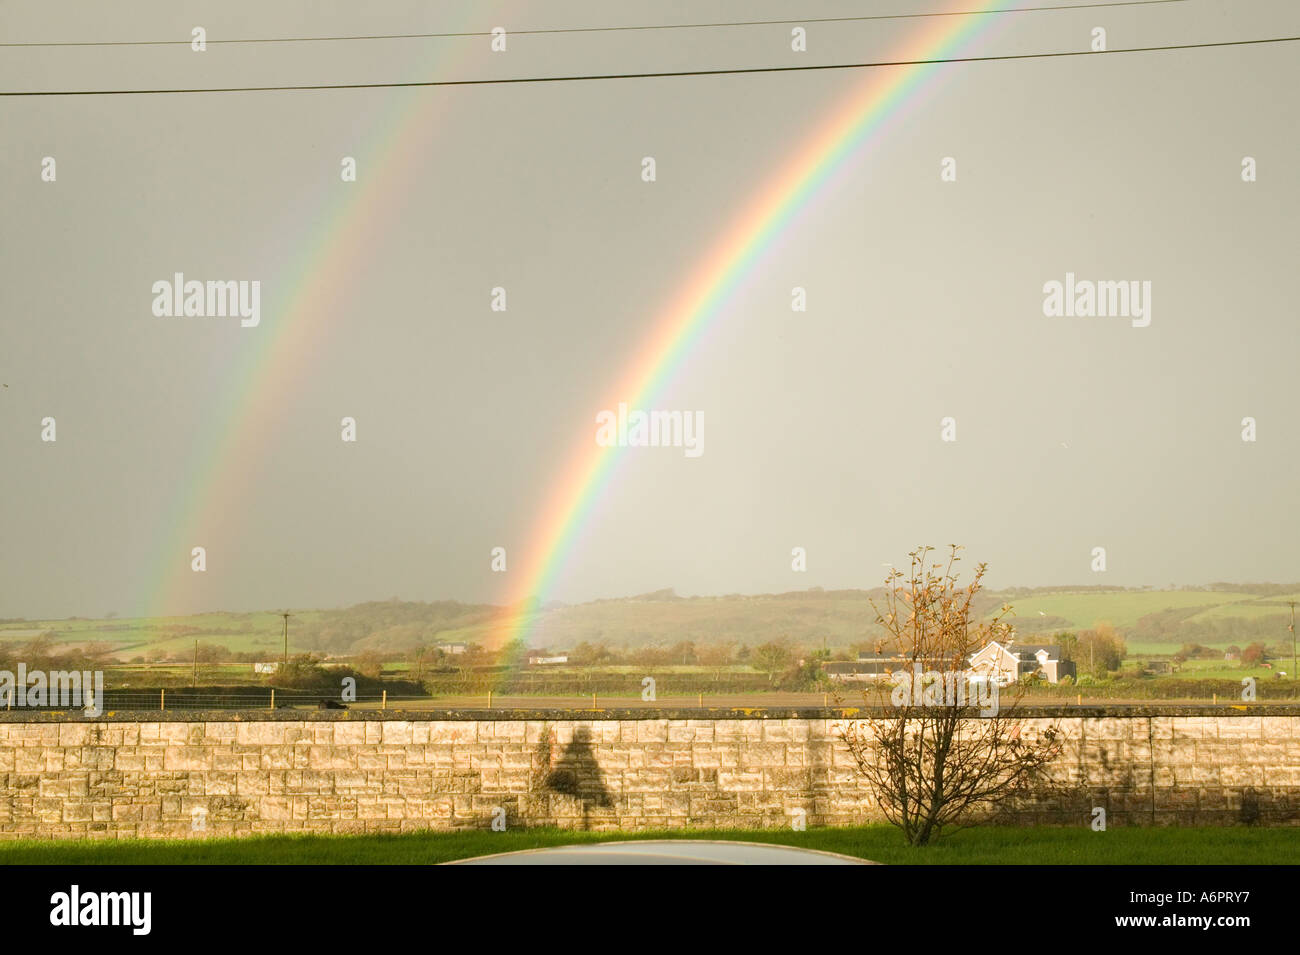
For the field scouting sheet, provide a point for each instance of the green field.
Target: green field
(128, 638)
(1123, 608)
(1249, 609)
(1231, 670)
(879, 843)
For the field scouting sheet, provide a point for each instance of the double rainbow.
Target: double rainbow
(351, 226)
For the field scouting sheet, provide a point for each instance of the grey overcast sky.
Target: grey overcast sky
(822, 428)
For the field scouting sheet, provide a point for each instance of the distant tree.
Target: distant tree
(515, 652)
(370, 663)
(808, 674)
(96, 651)
(1254, 654)
(302, 672)
(1100, 650)
(717, 654)
(474, 655)
(591, 654)
(39, 649)
(419, 657)
(772, 658)
(652, 656)
(683, 653)
(211, 653)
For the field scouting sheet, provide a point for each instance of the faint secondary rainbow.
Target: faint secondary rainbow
(308, 296)
(701, 301)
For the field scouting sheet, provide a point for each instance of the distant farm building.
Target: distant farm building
(541, 661)
(865, 669)
(1009, 663)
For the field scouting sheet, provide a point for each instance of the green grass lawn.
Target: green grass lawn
(880, 843)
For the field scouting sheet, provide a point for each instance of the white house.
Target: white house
(1007, 664)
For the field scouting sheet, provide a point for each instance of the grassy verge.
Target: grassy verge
(880, 843)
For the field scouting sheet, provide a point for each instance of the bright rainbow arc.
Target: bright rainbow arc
(701, 302)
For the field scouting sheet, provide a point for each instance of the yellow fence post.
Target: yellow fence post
(162, 699)
(272, 697)
(383, 702)
(489, 699)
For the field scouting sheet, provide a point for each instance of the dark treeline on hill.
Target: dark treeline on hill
(185, 630)
(1010, 592)
(1260, 590)
(669, 595)
(388, 625)
(1039, 624)
(1175, 625)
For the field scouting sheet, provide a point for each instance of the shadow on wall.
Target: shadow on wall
(576, 773)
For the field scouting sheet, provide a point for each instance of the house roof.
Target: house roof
(1023, 651)
(1033, 649)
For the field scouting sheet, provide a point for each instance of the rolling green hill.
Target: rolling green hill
(1152, 621)
(1123, 609)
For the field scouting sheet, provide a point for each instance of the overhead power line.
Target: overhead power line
(655, 75)
(611, 29)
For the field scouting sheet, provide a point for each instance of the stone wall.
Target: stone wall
(202, 774)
